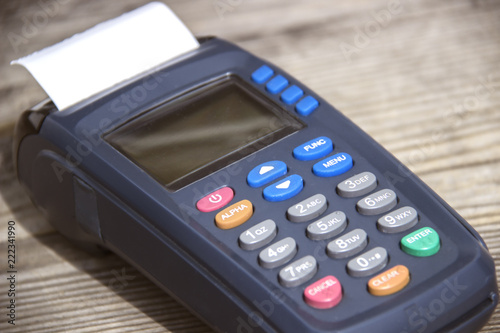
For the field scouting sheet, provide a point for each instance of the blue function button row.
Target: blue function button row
(290, 95)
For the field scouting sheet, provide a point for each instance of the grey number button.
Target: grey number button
(258, 235)
(357, 185)
(378, 202)
(347, 245)
(368, 263)
(327, 227)
(278, 253)
(399, 220)
(307, 209)
(298, 272)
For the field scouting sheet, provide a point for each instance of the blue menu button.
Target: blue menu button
(333, 166)
(311, 150)
(284, 189)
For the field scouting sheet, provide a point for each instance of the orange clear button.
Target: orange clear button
(234, 215)
(389, 282)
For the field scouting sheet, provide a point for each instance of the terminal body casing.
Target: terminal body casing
(95, 196)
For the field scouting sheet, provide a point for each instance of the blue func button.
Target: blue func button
(266, 172)
(284, 189)
(333, 166)
(311, 150)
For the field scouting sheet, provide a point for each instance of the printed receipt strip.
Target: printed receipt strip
(109, 53)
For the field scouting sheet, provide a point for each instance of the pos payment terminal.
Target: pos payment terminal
(247, 197)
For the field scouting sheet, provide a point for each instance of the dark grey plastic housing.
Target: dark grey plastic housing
(97, 197)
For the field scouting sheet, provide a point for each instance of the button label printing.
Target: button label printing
(324, 293)
(424, 242)
(399, 220)
(348, 244)
(284, 189)
(278, 253)
(357, 185)
(215, 200)
(265, 169)
(266, 172)
(311, 150)
(258, 235)
(298, 272)
(378, 202)
(234, 215)
(389, 282)
(285, 185)
(307, 209)
(333, 166)
(368, 263)
(329, 226)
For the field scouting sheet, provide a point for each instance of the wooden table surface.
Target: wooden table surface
(422, 77)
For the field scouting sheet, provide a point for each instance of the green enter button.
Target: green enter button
(421, 243)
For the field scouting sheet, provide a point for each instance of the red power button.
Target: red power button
(215, 200)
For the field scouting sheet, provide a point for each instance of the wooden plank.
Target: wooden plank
(424, 82)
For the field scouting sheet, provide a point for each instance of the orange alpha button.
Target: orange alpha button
(234, 215)
(390, 281)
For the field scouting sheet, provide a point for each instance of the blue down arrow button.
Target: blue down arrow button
(284, 189)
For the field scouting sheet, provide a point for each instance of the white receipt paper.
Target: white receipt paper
(109, 53)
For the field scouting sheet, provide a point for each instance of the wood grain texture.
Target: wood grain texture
(424, 82)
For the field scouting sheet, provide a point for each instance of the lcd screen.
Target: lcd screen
(202, 131)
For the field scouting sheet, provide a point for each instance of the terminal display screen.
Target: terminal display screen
(203, 131)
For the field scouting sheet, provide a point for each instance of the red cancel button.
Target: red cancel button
(324, 293)
(215, 200)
